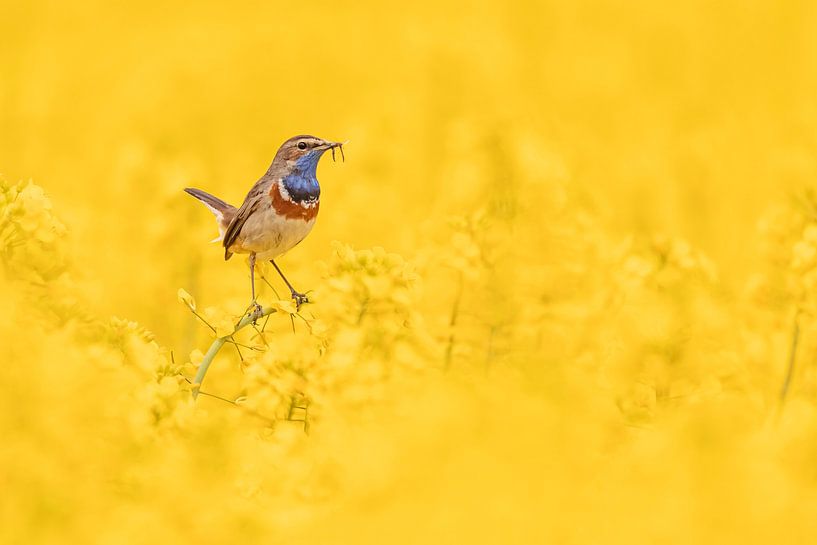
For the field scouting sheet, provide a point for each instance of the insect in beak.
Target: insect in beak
(338, 145)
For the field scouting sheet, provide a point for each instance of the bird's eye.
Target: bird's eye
(301, 145)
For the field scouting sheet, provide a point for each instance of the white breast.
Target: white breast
(270, 235)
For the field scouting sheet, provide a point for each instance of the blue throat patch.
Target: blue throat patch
(302, 183)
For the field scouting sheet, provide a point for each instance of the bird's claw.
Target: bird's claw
(299, 298)
(255, 311)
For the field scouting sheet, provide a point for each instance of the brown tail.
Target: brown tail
(213, 203)
(221, 210)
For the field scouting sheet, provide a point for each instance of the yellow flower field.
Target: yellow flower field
(564, 286)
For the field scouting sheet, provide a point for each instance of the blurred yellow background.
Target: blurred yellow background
(599, 269)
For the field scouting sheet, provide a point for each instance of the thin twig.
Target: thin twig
(247, 410)
(305, 409)
(219, 342)
(449, 350)
(260, 333)
(795, 339)
(308, 325)
(242, 345)
(231, 340)
(264, 278)
(364, 307)
(202, 319)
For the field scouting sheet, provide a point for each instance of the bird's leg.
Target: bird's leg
(299, 298)
(254, 304)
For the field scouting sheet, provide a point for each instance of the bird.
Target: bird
(278, 212)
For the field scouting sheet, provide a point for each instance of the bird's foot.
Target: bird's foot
(299, 298)
(255, 311)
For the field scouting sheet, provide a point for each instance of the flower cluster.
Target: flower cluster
(30, 235)
(563, 289)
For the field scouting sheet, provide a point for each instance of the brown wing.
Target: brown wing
(250, 205)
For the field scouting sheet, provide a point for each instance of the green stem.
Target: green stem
(449, 350)
(219, 342)
(795, 338)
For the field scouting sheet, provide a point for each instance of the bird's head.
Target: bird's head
(302, 153)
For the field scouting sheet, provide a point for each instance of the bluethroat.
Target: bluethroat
(279, 210)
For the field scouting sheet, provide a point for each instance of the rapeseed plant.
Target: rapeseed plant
(562, 291)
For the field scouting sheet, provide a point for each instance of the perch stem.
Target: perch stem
(219, 342)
